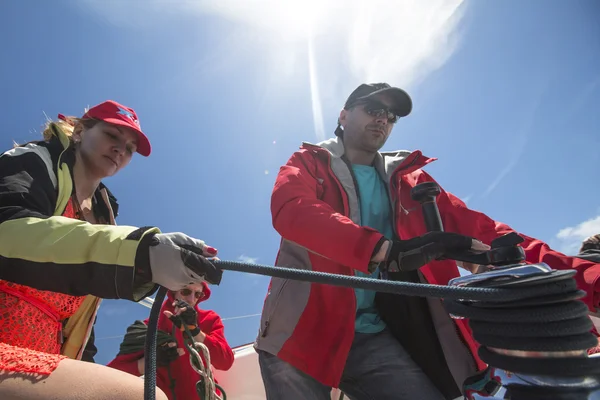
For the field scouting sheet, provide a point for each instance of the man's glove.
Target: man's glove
(177, 260)
(166, 354)
(188, 317)
(412, 254)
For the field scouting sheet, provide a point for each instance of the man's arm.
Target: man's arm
(457, 217)
(300, 217)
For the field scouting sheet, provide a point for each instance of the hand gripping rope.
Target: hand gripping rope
(533, 329)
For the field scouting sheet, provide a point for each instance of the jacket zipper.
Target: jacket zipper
(346, 203)
(275, 302)
(395, 189)
(356, 188)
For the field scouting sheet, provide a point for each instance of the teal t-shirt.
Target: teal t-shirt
(375, 212)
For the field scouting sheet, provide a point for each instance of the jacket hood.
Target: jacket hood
(386, 162)
(170, 298)
(592, 255)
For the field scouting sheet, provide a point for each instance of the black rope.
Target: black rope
(543, 315)
(534, 324)
(397, 287)
(150, 350)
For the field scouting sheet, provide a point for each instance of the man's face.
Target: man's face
(367, 125)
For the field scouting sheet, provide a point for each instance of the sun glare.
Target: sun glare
(288, 20)
(299, 19)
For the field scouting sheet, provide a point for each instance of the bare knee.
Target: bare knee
(74, 380)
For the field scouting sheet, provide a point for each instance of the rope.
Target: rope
(206, 387)
(557, 324)
(150, 350)
(394, 287)
(539, 302)
(544, 314)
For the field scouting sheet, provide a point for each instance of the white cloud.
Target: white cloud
(246, 259)
(570, 238)
(341, 42)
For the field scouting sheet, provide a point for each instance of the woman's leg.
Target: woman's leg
(74, 380)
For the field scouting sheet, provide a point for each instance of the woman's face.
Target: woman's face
(191, 294)
(106, 148)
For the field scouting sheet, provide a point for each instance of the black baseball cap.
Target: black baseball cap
(402, 103)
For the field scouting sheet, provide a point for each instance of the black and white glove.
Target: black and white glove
(412, 254)
(166, 353)
(187, 317)
(177, 260)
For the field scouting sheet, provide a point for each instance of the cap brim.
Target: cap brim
(143, 144)
(402, 102)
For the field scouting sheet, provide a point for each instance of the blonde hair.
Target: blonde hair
(69, 126)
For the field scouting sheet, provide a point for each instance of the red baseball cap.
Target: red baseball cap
(117, 114)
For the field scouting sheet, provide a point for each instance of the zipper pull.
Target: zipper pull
(264, 333)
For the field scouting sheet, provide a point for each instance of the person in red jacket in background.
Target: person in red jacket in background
(341, 206)
(175, 375)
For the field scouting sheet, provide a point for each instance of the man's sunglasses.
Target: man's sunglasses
(187, 292)
(378, 110)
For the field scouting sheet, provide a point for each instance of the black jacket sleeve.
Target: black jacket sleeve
(51, 252)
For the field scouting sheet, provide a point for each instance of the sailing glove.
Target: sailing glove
(412, 254)
(188, 317)
(166, 354)
(177, 260)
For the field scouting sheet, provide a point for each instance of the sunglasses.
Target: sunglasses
(379, 110)
(187, 292)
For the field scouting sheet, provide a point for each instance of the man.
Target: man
(175, 375)
(590, 249)
(342, 207)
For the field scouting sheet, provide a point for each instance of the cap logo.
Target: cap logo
(129, 115)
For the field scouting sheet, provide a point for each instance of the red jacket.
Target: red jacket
(221, 355)
(315, 209)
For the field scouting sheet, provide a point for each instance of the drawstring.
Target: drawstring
(111, 214)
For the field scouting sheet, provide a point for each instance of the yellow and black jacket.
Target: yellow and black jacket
(41, 249)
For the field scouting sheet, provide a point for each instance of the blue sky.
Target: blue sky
(506, 96)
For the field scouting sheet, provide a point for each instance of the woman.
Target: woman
(60, 251)
(175, 375)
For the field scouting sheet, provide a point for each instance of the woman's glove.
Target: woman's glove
(167, 353)
(177, 260)
(184, 315)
